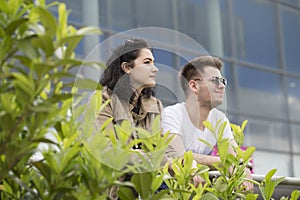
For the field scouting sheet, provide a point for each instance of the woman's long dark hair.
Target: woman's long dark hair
(115, 78)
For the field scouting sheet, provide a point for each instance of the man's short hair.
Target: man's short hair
(195, 67)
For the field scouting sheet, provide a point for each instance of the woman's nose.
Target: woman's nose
(154, 68)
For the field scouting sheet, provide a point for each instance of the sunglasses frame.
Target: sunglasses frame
(216, 80)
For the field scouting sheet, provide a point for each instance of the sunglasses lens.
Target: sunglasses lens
(224, 81)
(218, 81)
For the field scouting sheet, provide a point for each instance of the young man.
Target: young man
(204, 88)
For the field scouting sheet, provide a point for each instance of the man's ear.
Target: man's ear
(193, 85)
(126, 67)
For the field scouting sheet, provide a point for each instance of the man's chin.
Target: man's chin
(216, 104)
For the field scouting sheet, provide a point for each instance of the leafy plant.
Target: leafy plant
(37, 54)
(267, 186)
(229, 184)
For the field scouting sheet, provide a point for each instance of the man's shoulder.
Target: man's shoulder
(217, 111)
(217, 114)
(173, 108)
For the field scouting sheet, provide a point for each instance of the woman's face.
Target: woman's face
(143, 73)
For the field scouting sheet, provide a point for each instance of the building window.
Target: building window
(267, 135)
(291, 33)
(295, 137)
(264, 162)
(294, 98)
(260, 93)
(256, 33)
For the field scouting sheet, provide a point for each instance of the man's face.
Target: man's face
(211, 91)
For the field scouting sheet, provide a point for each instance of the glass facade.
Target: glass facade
(258, 40)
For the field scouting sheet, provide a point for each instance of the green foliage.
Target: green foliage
(37, 53)
(229, 185)
(267, 186)
(179, 178)
(295, 195)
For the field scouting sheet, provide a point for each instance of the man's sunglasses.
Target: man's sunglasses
(216, 80)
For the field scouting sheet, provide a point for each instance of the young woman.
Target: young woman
(128, 82)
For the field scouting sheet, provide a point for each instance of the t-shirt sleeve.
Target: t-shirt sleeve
(171, 120)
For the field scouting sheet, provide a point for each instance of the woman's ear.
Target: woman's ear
(126, 67)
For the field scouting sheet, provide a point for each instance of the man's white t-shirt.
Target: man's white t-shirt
(175, 119)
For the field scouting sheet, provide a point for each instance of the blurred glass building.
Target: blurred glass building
(259, 42)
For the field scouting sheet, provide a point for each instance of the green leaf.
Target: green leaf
(270, 174)
(269, 189)
(71, 43)
(156, 128)
(160, 195)
(8, 102)
(251, 196)
(124, 131)
(48, 21)
(209, 196)
(188, 161)
(279, 180)
(41, 3)
(244, 125)
(44, 140)
(295, 195)
(44, 169)
(4, 6)
(209, 126)
(68, 156)
(223, 146)
(156, 183)
(45, 43)
(62, 21)
(125, 193)
(205, 142)
(29, 50)
(2, 30)
(267, 186)
(14, 6)
(177, 167)
(11, 28)
(86, 84)
(7, 188)
(89, 30)
(221, 130)
(142, 182)
(6, 45)
(221, 184)
(106, 123)
(238, 134)
(24, 82)
(248, 153)
(142, 133)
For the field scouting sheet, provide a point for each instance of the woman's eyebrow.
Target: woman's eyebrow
(148, 59)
